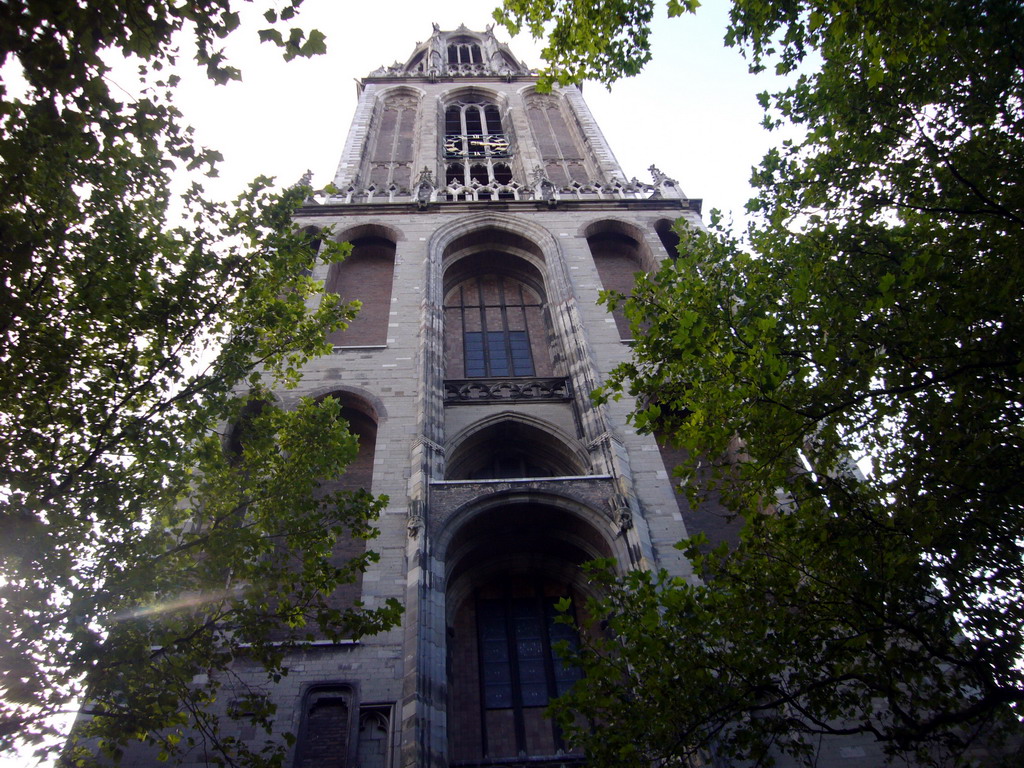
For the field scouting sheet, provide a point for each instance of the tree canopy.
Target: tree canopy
(140, 553)
(874, 308)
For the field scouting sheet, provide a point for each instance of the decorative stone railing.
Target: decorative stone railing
(471, 391)
(477, 192)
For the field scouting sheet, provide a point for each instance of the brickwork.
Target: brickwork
(325, 736)
(365, 275)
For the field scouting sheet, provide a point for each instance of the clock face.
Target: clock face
(477, 145)
(498, 144)
(453, 145)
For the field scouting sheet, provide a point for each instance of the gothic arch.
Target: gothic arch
(501, 444)
(598, 526)
(619, 251)
(507, 560)
(497, 320)
(403, 89)
(537, 246)
(611, 226)
(355, 397)
(665, 228)
(465, 92)
(368, 230)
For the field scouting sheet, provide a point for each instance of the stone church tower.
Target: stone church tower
(485, 217)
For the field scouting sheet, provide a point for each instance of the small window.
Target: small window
(502, 173)
(478, 173)
(455, 174)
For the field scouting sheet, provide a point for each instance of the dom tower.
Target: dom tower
(485, 217)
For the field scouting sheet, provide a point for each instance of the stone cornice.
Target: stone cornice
(462, 207)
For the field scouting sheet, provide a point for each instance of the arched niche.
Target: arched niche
(366, 274)
(513, 447)
(362, 422)
(668, 236)
(496, 321)
(358, 476)
(507, 566)
(390, 159)
(619, 252)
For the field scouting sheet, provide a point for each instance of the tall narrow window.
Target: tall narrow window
(392, 156)
(516, 671)
(474, 143)
(558, 144)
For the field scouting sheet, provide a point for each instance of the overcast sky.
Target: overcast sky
(693, 112)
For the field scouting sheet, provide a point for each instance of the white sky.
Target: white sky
(693, 112)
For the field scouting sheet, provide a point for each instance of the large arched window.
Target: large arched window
(475, 145)
(507, 569)
(494, 320)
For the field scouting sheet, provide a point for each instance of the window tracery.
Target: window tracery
(494, 315)
(563, 159)
(476, 147)
(392, 157)
(464, 53)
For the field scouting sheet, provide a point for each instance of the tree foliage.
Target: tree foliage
(139, 558)
(874, 308)
(586, 40)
